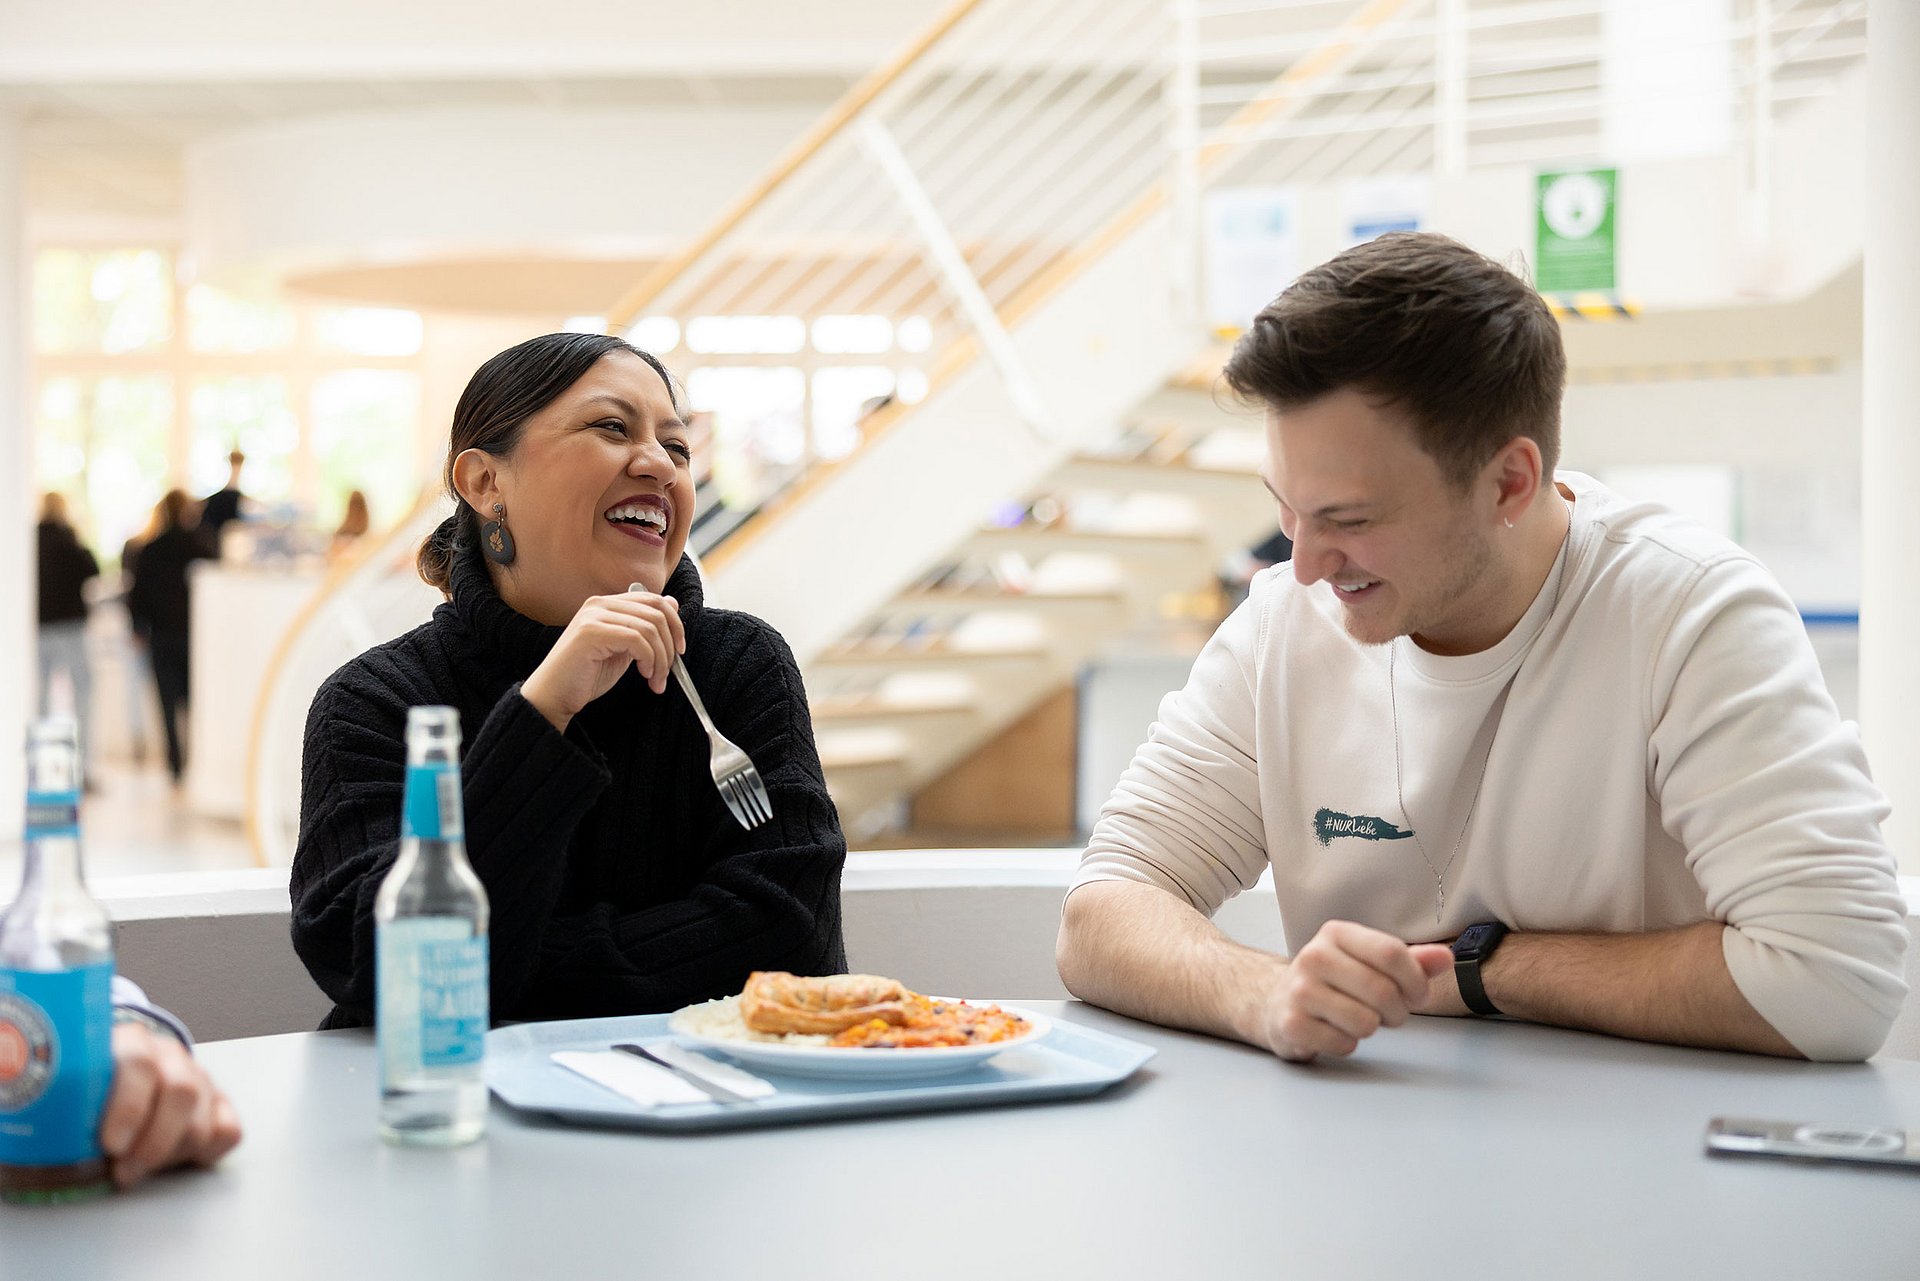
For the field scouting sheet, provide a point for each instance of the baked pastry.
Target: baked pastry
(774, 1001)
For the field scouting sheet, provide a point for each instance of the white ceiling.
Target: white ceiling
(114, 149)
(113, 91)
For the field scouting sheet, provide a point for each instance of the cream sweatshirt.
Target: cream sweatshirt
(1658, 748)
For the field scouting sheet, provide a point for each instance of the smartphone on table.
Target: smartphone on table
(1813, 1141)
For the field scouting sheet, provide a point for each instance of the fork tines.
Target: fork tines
(746, 797)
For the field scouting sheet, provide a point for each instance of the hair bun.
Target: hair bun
(435, 561)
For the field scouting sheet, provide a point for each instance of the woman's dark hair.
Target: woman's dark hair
(172, 509)
(1467, 349)
(492, 415)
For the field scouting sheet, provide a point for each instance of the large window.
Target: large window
(142, 386)
(363, 439)
(842, 396)
(128, 453)
(218, 321)
(369, 331)
(104, 443)
(785, 392)
(254, 416)
(760, 432)
(113, 301)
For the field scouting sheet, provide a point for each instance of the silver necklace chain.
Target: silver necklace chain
(1439, 874)
(1399, 791)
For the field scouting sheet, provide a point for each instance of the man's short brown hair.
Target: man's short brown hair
(1462, 346)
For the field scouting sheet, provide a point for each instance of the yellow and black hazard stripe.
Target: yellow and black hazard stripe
(1706, 370)
(1591, 306)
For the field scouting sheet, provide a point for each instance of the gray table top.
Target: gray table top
(1488, 1149)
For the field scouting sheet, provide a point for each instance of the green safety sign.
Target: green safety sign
(1574, 223)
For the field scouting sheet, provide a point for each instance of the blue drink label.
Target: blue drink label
(51, 814)
(431, 810)
(56, 1063)
(432, 980)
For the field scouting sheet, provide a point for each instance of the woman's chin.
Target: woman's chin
(652, 578)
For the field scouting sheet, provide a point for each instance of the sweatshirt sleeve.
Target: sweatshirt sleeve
(1186, 814)
(1768, 792)
(130, 1002)
(525, 787)
(769, 899)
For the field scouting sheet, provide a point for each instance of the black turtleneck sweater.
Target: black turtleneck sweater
(619, 884)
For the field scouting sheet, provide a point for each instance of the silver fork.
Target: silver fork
(733, 773)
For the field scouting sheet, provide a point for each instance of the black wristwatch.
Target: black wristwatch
(1470, 951)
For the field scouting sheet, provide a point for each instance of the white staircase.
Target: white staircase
(1113, 542)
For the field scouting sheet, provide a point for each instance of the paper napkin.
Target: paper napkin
(641, 1083)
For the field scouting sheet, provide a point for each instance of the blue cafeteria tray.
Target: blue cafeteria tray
(1069, 1062)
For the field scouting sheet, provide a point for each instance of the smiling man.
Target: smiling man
(1510, 742)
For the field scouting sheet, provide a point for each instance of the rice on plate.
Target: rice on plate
(721, 1021)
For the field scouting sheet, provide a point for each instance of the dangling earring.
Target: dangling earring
(495, 540)
(1509, 521)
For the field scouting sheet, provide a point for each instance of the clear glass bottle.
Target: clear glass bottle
(56, 993)
(430, 953)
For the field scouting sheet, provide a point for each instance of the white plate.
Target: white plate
(861, 1064)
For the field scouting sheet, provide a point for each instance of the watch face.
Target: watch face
(1473, 940)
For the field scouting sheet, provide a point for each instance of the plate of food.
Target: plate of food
(853, 1025)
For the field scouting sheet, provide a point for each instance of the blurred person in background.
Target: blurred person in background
(157, 598)
(619, 883)
(353, 526)
(66, 566)
(1240, 568)
(139, 667)
(223, 504)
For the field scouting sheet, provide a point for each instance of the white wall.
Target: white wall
(1824, 180)
(213, 947)
(1119, 701)
(1795, 440)
(16, 464)
(1680, 225)
(79, 40)
(402, 186)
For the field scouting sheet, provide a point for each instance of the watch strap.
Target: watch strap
(1466, 975)
(154, 1019)
(1470, 951)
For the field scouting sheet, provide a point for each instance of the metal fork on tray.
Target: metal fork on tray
(733, 773)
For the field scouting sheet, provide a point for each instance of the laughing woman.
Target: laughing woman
(619, 883)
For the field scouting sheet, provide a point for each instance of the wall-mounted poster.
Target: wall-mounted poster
(1253, 251)
(1374, 205)
(1574, 231)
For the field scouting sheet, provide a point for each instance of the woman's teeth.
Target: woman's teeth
(1356, 587)
(640, 514)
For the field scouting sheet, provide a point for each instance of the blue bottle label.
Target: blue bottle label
(51, 814)
(432, 998)
(56, 1063)
(431, 810)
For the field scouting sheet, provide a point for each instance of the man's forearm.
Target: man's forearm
(1139, 951)
(1672, 986)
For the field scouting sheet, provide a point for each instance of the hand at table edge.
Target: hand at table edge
(163, 1109)
(1346, 983)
